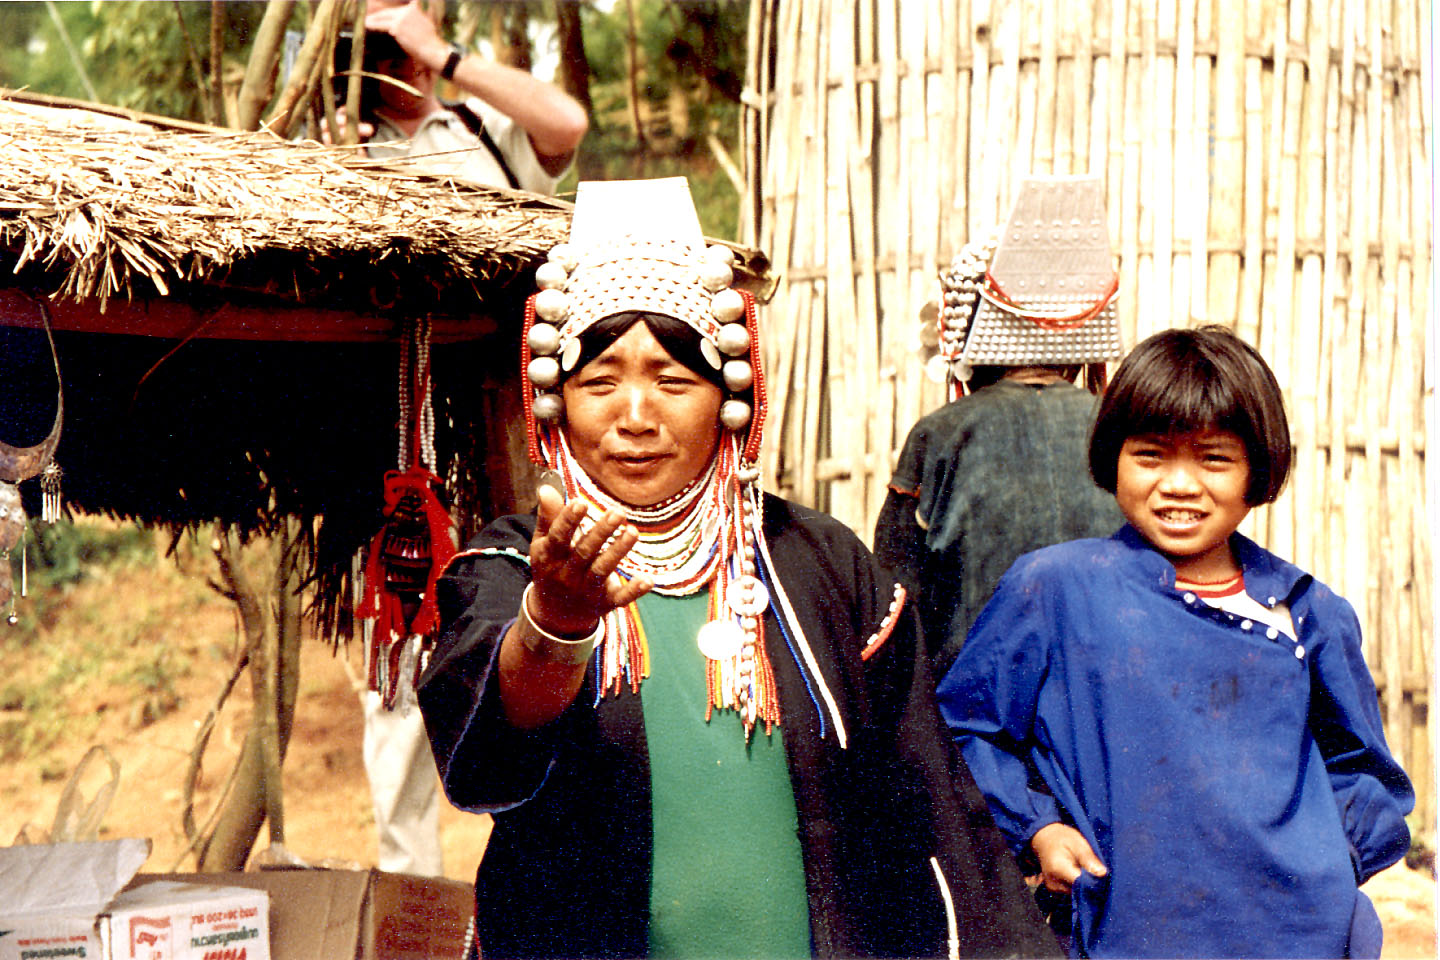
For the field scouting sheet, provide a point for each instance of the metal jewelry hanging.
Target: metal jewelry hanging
(18, 464)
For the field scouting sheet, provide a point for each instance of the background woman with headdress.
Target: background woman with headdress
(1002, 468)
(698, 713)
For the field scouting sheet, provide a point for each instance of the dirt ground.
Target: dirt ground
(328, 820)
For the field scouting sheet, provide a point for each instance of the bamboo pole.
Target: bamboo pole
(1083, 85)
(981, 30)
(877, 319)
(847, 392)
(1422, 767)
(812, 327)
(1199, 232)
(783, 167)
(1157, 28)
(1044, 27)
(264, 63)
(885, 232)
(1386, 209)
(1063, 100)
(1132, 326)
(1227, 211)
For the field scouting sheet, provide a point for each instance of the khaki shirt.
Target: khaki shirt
(444, 146)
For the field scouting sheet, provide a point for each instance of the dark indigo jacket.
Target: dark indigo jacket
(980, 481)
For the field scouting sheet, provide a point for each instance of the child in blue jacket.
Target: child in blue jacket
(1174, 725)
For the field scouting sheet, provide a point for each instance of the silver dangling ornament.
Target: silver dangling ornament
(720, 639)
(50, 493)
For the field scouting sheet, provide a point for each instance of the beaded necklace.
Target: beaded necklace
(703, 538)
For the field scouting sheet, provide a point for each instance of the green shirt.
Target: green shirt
(727, 879)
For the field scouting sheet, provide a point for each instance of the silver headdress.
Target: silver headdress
(1042, 292)
(617, 260)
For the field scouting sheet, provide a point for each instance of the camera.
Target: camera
(378, 46)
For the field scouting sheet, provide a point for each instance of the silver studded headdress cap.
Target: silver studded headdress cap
(636, 245)
(1047, 293)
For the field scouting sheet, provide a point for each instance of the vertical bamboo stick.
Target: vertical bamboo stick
(1310, 315)
(1284, 329)
(813, 436)
(1380, 404)
(809, 232)
(1046, 71)
(1081, 44)
(1069, 16)
(1159, 54)
(1200, 225)
(1419, 389)
(1101, 117)
(1227, 205)
(996, 179)
(1135, 321)
(981, 29)
(783, 166)
(1247, 316)
(846, 387)
(1188, 168)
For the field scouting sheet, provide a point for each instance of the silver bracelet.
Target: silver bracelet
(545, 644)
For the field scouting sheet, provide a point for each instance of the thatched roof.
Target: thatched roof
(180, 262)
(112, 206)
(107, 202)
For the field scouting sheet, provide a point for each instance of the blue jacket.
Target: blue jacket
(1234, 780)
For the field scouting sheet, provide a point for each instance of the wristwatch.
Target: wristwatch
(457, 53)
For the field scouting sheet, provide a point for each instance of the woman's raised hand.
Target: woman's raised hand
(573, 574)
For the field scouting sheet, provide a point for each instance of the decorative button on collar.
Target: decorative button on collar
(1246, 624)
(1272, 633)
(1299, 652)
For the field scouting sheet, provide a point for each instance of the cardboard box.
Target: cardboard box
(186, 921)
(364, 914)
(60, 900)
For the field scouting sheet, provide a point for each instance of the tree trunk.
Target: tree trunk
(273, 639)
(574, 65)
(574, 75)
(510, 34)
(217, 60)
(632, 76)
(264, 63)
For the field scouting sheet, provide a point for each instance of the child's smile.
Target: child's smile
(1185, 493)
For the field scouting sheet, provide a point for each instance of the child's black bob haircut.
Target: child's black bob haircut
(1180, 381)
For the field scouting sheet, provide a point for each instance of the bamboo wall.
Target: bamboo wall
(1267, 167)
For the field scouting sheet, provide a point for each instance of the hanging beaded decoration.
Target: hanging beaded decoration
(405, 558)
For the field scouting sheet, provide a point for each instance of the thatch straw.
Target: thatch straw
(113, 206)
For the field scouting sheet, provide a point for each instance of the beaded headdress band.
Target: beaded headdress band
(600, 273)
(708, 536)
(1042, 292)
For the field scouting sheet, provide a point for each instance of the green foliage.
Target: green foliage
(66, 552)
(134, 54)
(695, 48)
